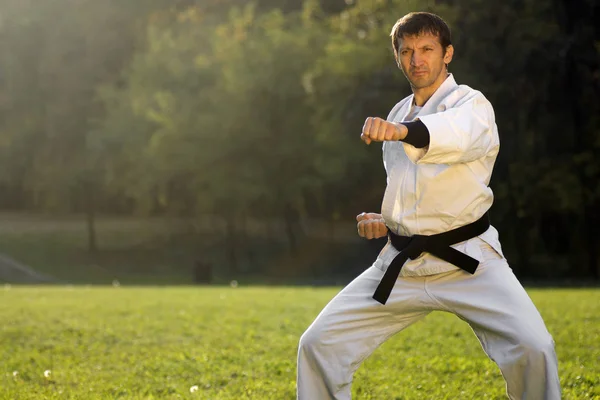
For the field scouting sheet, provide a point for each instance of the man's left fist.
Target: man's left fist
(378, 130)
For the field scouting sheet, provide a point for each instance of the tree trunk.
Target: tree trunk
(231, 244)
(592, 234)
(290, 219)
(90, 212)
(248, 249)
(270, 229)
(332, 228)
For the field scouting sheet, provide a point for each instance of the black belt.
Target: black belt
(438, 245)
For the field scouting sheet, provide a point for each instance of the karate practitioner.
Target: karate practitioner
(439, 149)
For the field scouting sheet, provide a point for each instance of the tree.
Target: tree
(55, 55)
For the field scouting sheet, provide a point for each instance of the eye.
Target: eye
(404, 52)
(428, 49)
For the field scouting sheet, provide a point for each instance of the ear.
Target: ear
(448, 55)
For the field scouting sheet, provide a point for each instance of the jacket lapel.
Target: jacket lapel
(431, 106)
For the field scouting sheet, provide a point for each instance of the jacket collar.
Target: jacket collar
(434, 102)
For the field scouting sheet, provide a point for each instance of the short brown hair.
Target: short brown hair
(418, 23)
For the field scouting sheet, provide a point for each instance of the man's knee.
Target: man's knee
(537, 347)
(311, 340)
(320, 339)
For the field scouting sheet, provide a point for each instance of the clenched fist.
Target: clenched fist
(371, 225)
(378, 130)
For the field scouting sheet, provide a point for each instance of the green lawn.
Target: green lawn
(240, 343)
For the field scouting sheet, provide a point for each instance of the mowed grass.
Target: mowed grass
(241, 343)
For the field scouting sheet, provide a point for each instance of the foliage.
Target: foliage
(254, 111)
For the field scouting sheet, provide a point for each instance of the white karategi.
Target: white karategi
(429, 191)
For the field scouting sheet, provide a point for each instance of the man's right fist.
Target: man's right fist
(379, 130)
(371, 225)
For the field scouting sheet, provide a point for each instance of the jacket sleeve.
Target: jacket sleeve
(460, 134)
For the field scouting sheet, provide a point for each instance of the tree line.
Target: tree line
(253, 111)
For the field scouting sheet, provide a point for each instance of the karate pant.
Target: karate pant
(492, 301)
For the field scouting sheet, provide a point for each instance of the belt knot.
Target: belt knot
(416, 246)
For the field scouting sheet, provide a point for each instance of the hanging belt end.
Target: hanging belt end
(380, 299)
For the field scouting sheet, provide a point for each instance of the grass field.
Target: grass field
(241, 343)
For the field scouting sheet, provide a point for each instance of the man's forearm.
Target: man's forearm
(414, 133)
(417, 135)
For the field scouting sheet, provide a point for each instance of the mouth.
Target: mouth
(419, 73)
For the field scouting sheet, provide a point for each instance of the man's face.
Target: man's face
(422, 59)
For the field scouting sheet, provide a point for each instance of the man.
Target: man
(439, 149)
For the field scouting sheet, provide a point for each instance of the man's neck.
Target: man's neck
(422, 95)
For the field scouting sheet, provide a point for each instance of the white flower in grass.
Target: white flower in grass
(47, 373)
(15, 373)
(194, 389)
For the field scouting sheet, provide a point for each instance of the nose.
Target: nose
(416, 59)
